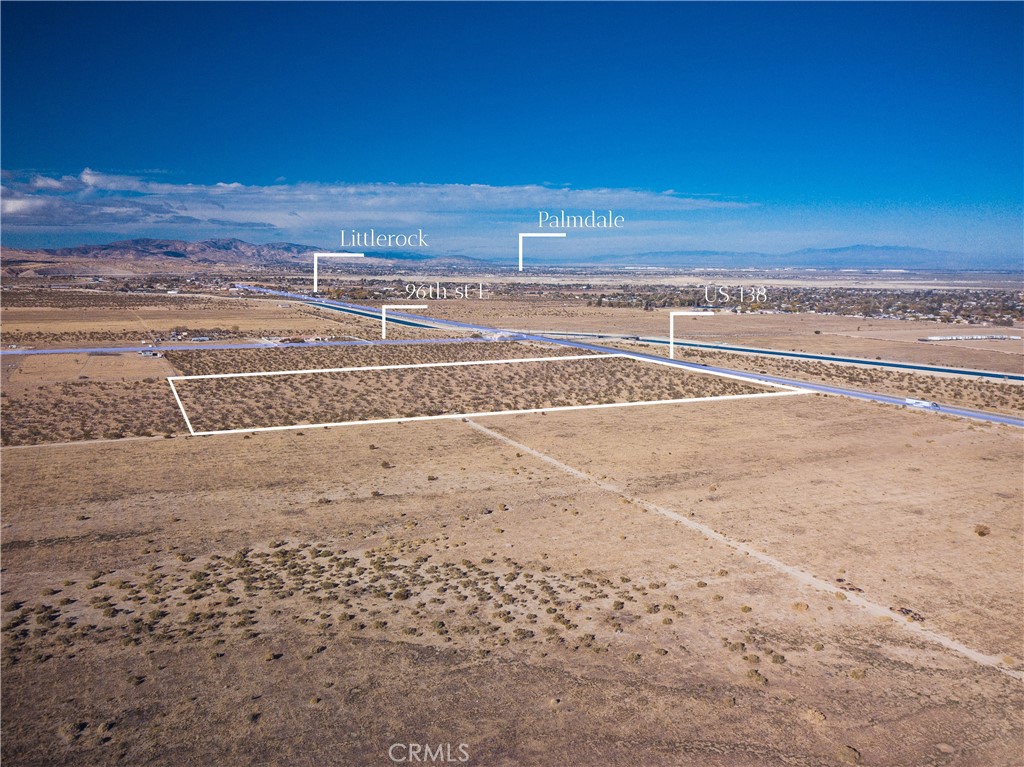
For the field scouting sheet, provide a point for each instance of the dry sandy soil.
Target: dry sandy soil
(56, 319)
(63, 397)
(66, 397)
(795, 580)
(217, 361)
(976, 393)
(747, 582)
(843, 336)
(361, 395)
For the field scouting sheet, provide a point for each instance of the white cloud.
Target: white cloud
(472, 219)
(44, 182)
(465, 218)
(21, 206)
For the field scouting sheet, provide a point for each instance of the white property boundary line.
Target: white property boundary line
(318, 256)
(749, 378)
(394, 367)
(560, 408)
(672, 328)
(534, 234)
(489, 413)
(803, 577)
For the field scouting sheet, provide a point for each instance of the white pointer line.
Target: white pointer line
(534, 234)
(672, 328)
(384, 315)
(318, 256)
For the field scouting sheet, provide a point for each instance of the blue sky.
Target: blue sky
(729, 126)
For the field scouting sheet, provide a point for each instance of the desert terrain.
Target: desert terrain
(321, 595)
(747, 581)
(520, 384)
(871, 339)
(78, 318)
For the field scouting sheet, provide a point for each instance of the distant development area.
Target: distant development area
(134, 335)
(996, 306)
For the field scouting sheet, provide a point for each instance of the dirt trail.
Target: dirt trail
(803, 577)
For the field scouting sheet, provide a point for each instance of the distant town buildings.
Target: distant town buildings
(971, 338)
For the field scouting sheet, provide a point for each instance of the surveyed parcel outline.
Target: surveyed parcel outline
(786, 391)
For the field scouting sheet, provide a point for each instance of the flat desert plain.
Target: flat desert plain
(798, 580)
(886, 339)
(75, 318)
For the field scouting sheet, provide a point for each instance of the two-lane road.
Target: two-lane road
(887, 399)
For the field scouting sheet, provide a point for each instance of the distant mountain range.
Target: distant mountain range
(228, 251)
(140, 256)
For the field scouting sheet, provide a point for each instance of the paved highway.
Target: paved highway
(370, 314)
(250, 345)
(753, 377)
(852, 360)
(823, 388)
(800, 355)
(492, 334)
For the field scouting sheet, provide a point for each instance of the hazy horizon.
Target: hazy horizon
(857, 257)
